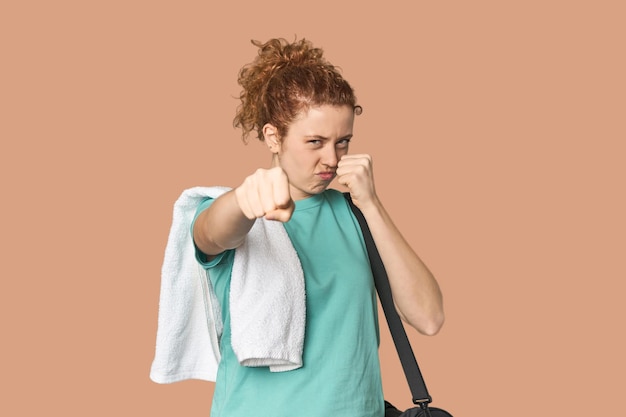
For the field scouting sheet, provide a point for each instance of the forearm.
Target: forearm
(222, 226)
(416, 294)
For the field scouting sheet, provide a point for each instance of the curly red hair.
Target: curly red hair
(284, 80)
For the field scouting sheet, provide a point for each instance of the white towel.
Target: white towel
(190, 323)
(267, 299)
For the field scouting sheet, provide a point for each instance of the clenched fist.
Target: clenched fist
(266, 194)
(356, 173)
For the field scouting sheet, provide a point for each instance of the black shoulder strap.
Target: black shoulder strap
(400, 339)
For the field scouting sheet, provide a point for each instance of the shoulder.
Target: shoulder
(339, 204)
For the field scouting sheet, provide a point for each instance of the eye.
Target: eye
(343, 143)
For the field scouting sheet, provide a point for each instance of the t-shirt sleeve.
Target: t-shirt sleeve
(201, 257)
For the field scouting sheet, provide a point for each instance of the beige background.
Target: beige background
(498, 135)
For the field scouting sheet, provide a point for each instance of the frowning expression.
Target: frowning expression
(309, 152)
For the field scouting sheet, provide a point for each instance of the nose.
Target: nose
(329, 157)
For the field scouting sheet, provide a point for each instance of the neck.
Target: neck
(275, 161)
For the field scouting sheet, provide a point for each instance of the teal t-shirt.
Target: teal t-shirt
(340, 375)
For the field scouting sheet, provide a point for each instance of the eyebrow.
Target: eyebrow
(324, 138)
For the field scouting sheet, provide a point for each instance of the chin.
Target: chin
(308, 192)
(318, 189)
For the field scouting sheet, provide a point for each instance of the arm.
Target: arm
(225, 224)
(416, 293)
(222, 226)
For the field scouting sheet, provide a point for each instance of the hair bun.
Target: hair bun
(279, 53)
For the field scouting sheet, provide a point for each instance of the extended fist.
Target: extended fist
(266, 194)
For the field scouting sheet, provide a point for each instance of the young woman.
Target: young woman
(303, 110)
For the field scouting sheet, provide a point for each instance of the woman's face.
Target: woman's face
(309, 152)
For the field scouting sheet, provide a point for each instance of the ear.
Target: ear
(271, 138)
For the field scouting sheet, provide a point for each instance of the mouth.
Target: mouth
(326, 175)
